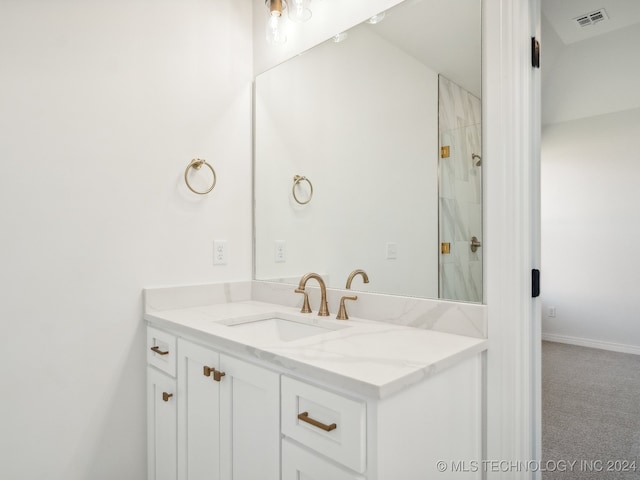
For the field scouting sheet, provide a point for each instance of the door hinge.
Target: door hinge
(535, 53)
(535, 283)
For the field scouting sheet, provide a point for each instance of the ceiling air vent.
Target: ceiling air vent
(591, 18)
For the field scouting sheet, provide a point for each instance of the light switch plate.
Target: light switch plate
(280, 251)
(392, 251)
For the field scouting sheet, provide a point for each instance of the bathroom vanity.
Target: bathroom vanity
(243, 389)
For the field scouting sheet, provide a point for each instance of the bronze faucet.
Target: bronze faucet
(342, 312)
(324, 308)
(353, 274)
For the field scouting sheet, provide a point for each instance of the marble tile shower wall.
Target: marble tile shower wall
(460, 192)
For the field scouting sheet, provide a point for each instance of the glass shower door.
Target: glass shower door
(460, 194)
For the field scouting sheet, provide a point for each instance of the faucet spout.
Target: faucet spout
(324, 307)
(354, 274)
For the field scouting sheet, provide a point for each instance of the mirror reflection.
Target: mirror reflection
(368, 156)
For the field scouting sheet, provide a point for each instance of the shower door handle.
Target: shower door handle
(475, 243)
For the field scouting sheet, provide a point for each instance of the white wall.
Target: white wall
(590, 231)
(103, 106)
(591, 77)
(590, 107)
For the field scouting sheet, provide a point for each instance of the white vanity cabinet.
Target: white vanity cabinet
(328, 423)
(403, 436)
(367, 402)
(301, 464)
(228, 417)
(210, 416)
(161, 405)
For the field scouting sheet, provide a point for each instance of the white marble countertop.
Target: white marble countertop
(372, 359)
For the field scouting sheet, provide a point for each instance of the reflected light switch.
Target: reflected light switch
(392, 251)
(280, 251)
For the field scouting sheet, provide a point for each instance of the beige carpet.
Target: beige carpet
(590, 413)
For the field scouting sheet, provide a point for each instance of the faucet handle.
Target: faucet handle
(306, 308)
(342, 313)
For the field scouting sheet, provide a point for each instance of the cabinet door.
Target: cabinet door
(249, 421)
(300, 464)
(198, 413)
(161, 426)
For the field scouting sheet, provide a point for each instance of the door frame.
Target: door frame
(511, 139)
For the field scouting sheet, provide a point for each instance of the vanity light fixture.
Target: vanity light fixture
(275, 30)
(377, 18)
(340, 37)
(299, 10)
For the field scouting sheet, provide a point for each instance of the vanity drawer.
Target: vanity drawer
(161, 350)
(326, 422)
(298, 464)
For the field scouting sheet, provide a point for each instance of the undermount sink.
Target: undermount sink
(279, 329)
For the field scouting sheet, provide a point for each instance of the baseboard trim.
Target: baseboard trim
(587, 342)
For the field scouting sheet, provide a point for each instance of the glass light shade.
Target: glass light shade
(340, 37)
(299, 10)
(377, 18)
(275, 31)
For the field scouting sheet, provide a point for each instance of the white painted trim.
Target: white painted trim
(536, 226)
(587, 342)
(510, 182)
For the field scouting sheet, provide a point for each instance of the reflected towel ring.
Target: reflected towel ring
(197, 164)
(296, 180)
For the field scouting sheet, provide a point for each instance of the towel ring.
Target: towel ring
(296, 180)
(197, 164)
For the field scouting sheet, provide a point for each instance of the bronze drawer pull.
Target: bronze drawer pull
(166, 396)
(217, 374)
(304, 416)
(158, 351)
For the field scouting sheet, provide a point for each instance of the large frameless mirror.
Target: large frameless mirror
(368, 156)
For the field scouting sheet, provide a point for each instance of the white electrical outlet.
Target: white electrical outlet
(280, 251)
(551, 312)
(392, 251)
(220, 252)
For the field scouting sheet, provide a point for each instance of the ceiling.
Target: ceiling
(593, 70)
(561, 15)
(443, 35)
(423, 27)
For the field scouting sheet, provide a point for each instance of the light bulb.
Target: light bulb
(299, 10)
(377, 18)
(275, 33)
(340, 37)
